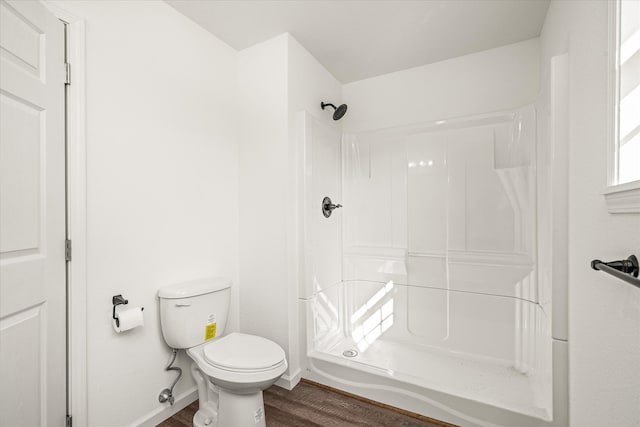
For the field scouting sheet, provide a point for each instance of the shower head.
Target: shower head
(339, 111)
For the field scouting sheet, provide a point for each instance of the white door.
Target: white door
(32, 217)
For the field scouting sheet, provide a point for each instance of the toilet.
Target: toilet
(232, 370)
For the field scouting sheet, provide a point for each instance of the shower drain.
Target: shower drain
(350, 353)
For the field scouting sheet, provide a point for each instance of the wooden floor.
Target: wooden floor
(309, 404)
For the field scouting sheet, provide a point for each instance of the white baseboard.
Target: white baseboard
(154, 418)
(289, 381)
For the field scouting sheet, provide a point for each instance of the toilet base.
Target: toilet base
(232, 399)
(240, 409)
(206, 416)
(220, 407)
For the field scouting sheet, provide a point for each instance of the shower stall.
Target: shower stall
(422, 291)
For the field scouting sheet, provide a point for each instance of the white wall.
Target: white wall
(162, 167)
(604, 313)
(309, 85)
(263, 132)
(276, 79)
(492, 80)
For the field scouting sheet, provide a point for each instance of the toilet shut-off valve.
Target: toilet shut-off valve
(166, 395)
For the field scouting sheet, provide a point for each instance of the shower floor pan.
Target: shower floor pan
(480, 380)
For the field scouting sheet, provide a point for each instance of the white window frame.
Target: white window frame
(620, 198)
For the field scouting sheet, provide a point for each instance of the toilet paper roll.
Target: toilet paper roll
(128, 318)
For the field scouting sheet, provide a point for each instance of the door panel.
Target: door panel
(20, 157)
(32, 217)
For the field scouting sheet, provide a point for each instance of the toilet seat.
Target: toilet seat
(225, 375)
(243, 353)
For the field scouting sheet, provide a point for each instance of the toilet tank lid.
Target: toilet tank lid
(194, 288)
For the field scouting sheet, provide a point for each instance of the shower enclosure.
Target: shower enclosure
(423, 289)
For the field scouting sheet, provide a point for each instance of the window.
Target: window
(624, 168)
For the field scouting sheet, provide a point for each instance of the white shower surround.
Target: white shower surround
(460, 324)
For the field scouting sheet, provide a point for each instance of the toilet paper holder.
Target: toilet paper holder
(117, 300)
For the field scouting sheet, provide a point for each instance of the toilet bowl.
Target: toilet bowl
(241, 366)
(231, 370)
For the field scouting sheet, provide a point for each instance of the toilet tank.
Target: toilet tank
(194, 312)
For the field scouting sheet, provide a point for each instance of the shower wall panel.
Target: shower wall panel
(445, 206)
(448, 209)
(323, 236)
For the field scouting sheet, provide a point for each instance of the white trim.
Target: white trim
(157, 416)
(620, 198)
(613, 93)
(558, 230)
(623, 198)
(77, 194)
(290, 381)
(77, 214)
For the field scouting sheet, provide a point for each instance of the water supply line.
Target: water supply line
(167, 393)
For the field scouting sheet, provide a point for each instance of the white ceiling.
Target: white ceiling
(355, 40)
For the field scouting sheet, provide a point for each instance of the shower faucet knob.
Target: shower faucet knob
(328, 207)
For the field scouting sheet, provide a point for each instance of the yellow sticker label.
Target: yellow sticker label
(210, 331)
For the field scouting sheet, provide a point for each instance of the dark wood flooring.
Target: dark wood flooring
(310, 404)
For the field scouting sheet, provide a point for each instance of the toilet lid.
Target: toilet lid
(242, 352)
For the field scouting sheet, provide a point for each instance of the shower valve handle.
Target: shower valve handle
(328, 207)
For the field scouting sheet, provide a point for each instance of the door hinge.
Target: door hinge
(67, 73)
(69, 421)
(67, 249)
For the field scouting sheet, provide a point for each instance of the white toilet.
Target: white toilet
(231, 371)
